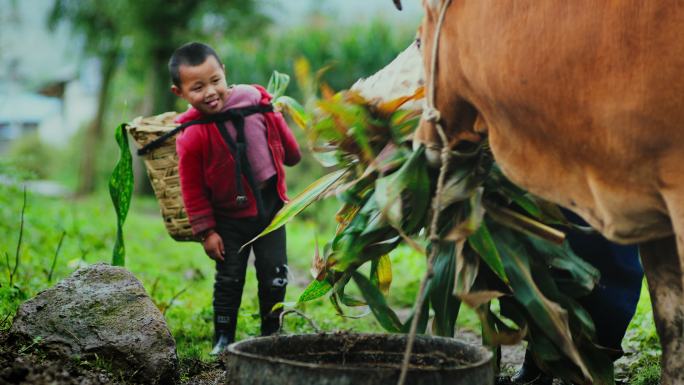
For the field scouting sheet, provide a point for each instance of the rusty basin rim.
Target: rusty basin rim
(484, 355)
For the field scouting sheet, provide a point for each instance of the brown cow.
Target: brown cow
(583, 104)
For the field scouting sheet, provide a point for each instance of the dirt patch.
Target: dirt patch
(22, 362)
(26, 362)
(197, 372)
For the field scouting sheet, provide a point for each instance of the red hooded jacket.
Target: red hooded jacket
(207, 168)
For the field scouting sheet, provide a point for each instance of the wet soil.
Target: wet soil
(197, 372)
(25, 362)
(21, 362)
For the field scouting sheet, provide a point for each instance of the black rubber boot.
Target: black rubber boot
(530, 374)
(269, 296)
(270, 319)
(224, 331)
(270, 323)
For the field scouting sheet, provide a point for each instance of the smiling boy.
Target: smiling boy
(233, 182)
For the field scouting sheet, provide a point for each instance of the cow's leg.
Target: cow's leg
(663, 268)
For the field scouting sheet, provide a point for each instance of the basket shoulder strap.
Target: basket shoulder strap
(221, 117)
(239, 149)
(158, 142)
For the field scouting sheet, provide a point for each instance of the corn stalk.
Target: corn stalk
(492, 241)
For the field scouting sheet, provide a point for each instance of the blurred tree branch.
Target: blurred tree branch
(98, 22)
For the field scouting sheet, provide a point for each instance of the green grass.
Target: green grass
(642, 339)
(167, 268)
(645, 371)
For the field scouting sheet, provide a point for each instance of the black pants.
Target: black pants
(270, 262)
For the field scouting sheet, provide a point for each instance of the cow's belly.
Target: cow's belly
(623, 208)
(579, 106)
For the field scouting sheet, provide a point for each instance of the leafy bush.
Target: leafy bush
(349, 52)
(32, 157)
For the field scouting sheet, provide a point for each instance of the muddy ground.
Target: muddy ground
(22, 362)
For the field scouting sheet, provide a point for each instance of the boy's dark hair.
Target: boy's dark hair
(191, 54)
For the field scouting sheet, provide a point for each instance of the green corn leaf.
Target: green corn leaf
(388, 196)
(548, 315)
(376, 301)
(481, 241)
(557, 287)
(311, 194)
(315, 290)
(475, 213)
(573, 275)
(295, 111)
(327, 128)
(367, 236)
(121, 190)
(358, 250)
(522, 199)
(440, 289)
(277, 84)
(404, 196)
(418, 187)
(496, 332)
(550, 212)
(459, 185)
(467, 271)
(538, 208)
(350, 301)
(600, 364)
(544, 278)
(359, 135)
(344, 298)
(403, 123)
(582, 316)
(327, 158)
(552, 360)
(336, 304)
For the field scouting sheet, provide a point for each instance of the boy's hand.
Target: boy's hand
(213, 246)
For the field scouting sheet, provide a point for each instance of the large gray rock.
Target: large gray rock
(103, 310)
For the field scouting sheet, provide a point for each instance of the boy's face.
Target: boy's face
(203, 86)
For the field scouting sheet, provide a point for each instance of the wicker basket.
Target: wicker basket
(162, 168)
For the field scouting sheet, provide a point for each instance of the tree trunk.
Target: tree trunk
(94, 133)
(158, 99)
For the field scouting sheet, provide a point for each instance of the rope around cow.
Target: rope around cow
(432, 115)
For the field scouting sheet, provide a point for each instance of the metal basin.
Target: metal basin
(356, 359)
